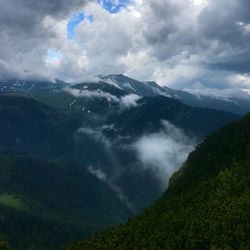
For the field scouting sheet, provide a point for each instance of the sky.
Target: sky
(183, 44)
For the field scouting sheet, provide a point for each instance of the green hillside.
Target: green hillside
(206, 206)
(29, 126)
(147, 116)
(44, 203)
(48, 195)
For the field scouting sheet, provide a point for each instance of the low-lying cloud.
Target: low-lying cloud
(164, 152)
(92, 94)
(127, 101)
(160, 153)
(130, 100)
(99, 174)
(97, 135)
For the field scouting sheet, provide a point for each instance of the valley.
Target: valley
(72, 156)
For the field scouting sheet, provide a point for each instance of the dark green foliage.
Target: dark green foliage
(60, 202)
(206, 206)
(4, 245)
(29, 126)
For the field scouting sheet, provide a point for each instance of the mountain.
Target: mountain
(102, 86)
(59, 146)
(133, 86)
(118, 85)
(206, 205)
(28, 86)
(148, 89)
(29, 126)
(44, 203)
(30, 122)
(147, 115)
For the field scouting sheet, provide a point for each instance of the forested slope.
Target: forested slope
(44, 203)
(206, 206)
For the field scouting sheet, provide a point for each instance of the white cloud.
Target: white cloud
(98, 173)
(164, 152)
(175, 43)
(27, 30)
(126, 101)
(130, 100)
(92, 94)
(239, 80)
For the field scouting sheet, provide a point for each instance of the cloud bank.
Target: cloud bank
(92, 94)
(129, 101)
(164, 152)
(126, 101)
(182, 44)
(28, 29)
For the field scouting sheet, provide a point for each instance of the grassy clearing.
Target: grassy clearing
(11, 201)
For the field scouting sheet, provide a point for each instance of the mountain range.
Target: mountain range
(78, 158)
(116, 83)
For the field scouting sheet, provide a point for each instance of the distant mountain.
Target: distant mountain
(146, 117)
(130, 85)
(206, 205)
(149, 89)
(28, 86)
(119, 85)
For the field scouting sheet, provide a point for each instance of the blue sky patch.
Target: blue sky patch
(114, 6)
(74, 22)
(53, 54)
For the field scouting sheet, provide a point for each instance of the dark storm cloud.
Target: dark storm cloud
(161, 27)
(220, 33)
(173, 42)
(25, 13)
(25, 17)
(25, 37)
(227, 24)
(240, 67)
